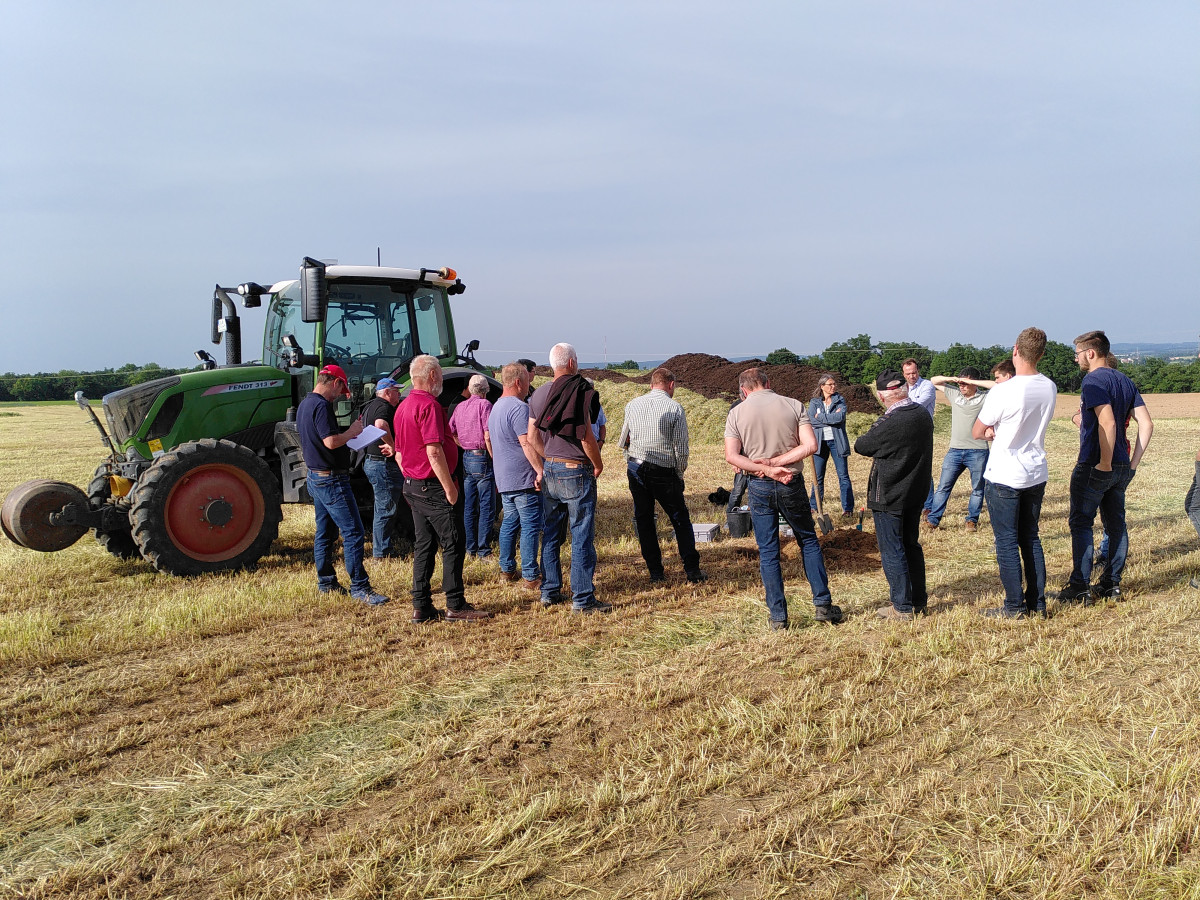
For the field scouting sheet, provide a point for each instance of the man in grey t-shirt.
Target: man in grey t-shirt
(966, 453)
(768, 436)
(518, 467)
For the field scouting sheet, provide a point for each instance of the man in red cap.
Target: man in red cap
(327, 458)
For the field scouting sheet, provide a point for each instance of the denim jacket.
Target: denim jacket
(835, 418)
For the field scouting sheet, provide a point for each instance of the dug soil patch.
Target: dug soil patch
(715, 377)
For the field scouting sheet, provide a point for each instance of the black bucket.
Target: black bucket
(738, 524)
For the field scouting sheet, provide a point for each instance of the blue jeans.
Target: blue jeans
(898, 536)
(1014, 513)
(569, 499)
(1093, 490)
(769, 499)
(479, 490)
(336, 510)
(956, 462)
(388, 485)
(523, 510)
(820, 462)
(648, 484)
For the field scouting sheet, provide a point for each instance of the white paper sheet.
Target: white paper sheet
(370, 434)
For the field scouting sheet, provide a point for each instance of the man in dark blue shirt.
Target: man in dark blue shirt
(327, 458)
(1107, 400)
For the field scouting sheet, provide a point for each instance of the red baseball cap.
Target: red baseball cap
(337, 372)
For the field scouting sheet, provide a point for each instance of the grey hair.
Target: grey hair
(828, 376)
(898, 393)
(562, 355)
(478, 385)
(423, 367)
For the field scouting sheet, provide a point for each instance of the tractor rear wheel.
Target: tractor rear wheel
(119, 543)
(206, 506)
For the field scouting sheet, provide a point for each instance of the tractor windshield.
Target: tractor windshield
(371, 329)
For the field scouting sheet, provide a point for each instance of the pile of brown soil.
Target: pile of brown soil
(716, 377)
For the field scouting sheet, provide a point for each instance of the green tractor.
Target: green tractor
(200, 463)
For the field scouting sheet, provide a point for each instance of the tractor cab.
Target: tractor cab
(371, 321)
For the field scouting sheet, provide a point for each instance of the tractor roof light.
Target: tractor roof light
(447, 273)
(252, 293)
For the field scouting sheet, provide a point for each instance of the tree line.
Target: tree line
(63, 384)
(860, 360)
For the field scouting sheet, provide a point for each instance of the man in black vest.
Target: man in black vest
(901, 445)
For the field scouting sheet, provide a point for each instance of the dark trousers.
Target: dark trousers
(437, 525)
(1093, 490)
(649, 484)
(903, 559)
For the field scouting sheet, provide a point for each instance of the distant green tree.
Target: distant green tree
(849, 358)
(628, 364)
(33, 387)
(782, 357)
(892, 356)
(1059, 365)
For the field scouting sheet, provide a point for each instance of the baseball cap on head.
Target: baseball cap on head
(336, 371)
(384, 383)
(889, 381)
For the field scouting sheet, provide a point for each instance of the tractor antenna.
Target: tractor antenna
(377, 258)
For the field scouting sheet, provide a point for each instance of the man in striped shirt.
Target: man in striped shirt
(655, 440)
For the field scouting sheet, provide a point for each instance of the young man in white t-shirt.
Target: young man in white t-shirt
(1014, 418)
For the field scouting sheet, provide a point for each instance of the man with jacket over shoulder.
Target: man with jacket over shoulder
(560, 431)
(900, 444)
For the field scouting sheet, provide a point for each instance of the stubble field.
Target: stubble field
(243, 736)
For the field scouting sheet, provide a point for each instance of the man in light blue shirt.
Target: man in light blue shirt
(921, 391)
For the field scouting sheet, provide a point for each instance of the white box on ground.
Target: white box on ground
(705, 533)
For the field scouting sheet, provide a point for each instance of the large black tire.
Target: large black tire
(119, 543)
(206, 506)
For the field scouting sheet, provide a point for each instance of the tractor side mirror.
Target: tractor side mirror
(314, 291)
(294, 355)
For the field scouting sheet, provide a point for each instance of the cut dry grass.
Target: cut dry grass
(243, 736)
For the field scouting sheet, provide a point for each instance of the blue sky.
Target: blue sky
(643, 179)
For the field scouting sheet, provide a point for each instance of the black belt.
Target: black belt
(433, 480)
(326, 473)
(480, 451)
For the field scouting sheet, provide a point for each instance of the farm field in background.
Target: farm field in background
(243, 736)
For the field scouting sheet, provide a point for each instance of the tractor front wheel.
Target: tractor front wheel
(119, 543)
(206, 506)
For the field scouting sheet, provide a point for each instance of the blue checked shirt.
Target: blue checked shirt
(655, 431)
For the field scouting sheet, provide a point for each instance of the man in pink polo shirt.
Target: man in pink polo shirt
(428, 461)
(468, 424)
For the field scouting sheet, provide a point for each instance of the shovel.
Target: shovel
(823, 521)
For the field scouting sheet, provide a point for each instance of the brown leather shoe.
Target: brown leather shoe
(467, 613)
(535, 585)
(510, 576)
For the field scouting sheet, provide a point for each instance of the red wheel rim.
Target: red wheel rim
(192, 502)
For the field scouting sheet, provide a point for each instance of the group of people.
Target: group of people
(541, 453)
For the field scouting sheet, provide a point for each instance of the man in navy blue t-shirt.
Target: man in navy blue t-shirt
(327, 458)
(1107, 401)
